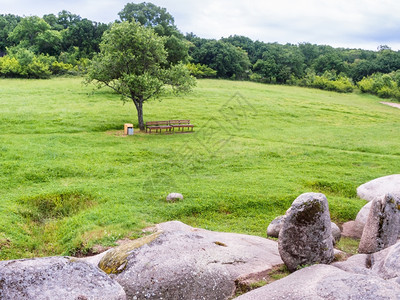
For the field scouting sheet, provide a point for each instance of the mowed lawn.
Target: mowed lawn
(69, 180)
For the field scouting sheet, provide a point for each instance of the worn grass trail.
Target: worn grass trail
(69, 180)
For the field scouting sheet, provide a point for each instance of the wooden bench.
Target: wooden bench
(158, 126)
(180, 124)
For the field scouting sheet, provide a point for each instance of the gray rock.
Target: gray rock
(359, 264)
(306, 236)
(386, 263)
(55, 278)
(182, 262)
(382, 227)
(336, 233)
(379, 187)
(353, 229)
(275, 226)
(362, 215)
(326, 282)
(174, 197)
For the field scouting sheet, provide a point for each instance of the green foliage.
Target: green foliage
(133, 63)
(382, 85)
(150, 15)
(7, 25)
(201, 71)
(229, 61)
(24, 63)
(328, 81)
(60, 68)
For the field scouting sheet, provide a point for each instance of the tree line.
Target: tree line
(35, 47)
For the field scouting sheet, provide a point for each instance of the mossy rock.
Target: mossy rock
(115, 261)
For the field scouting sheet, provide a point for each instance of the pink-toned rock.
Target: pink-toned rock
(353, 229)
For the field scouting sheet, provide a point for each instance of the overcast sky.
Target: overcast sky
(341, 23)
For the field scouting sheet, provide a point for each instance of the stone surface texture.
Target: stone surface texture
(306, 236)
(326, 282)
(379, 187)
(383, 224)
(363, 214)
(336, 233)
(353, 229)
(55, 278)
(275, 226)
(183, 262)
(174, 197)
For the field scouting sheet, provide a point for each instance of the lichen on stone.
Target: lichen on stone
(115, 261)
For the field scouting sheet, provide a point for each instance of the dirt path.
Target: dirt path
(397, 105)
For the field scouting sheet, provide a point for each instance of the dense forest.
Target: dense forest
(38, 47)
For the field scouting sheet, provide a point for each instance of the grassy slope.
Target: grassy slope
(255, 149)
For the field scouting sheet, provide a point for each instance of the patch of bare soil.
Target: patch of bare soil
(397, 105)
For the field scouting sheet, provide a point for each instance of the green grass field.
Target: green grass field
(69, 180)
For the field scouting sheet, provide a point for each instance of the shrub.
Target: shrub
(9, 66)
(59, 68)
(201, 71)
(382, 85)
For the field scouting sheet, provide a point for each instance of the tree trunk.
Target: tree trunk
(139, 108)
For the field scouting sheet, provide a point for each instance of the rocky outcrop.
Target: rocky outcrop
(275, 226)
(326, 282)
(182, 262)
(363, 214)
(379, 187)
(353, 229)
(386, 263)
(362, 276)
(306, 236)
(382, 227)
(336, 233)
(55, 278)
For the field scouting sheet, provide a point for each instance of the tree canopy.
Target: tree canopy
(133, 62)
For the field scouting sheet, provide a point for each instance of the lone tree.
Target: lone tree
(133, 62)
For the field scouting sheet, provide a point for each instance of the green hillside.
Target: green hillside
(70, 180)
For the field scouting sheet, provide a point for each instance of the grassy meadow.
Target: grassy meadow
(69, 180)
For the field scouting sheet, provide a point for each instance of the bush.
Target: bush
(382, 85)
(201, 71)
(9, 66)
(59, 68)
(329, 81)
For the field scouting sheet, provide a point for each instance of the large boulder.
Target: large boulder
(182, 262)
(326, 282)
(306, 236)
(386, 263)
(55, 278)
(275, 226)
(336, 233)
(359, 264)
(363, 214)
(382, 227)
(379, 187)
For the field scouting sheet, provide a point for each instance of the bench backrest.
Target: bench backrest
(155, 123)
(171, 122)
